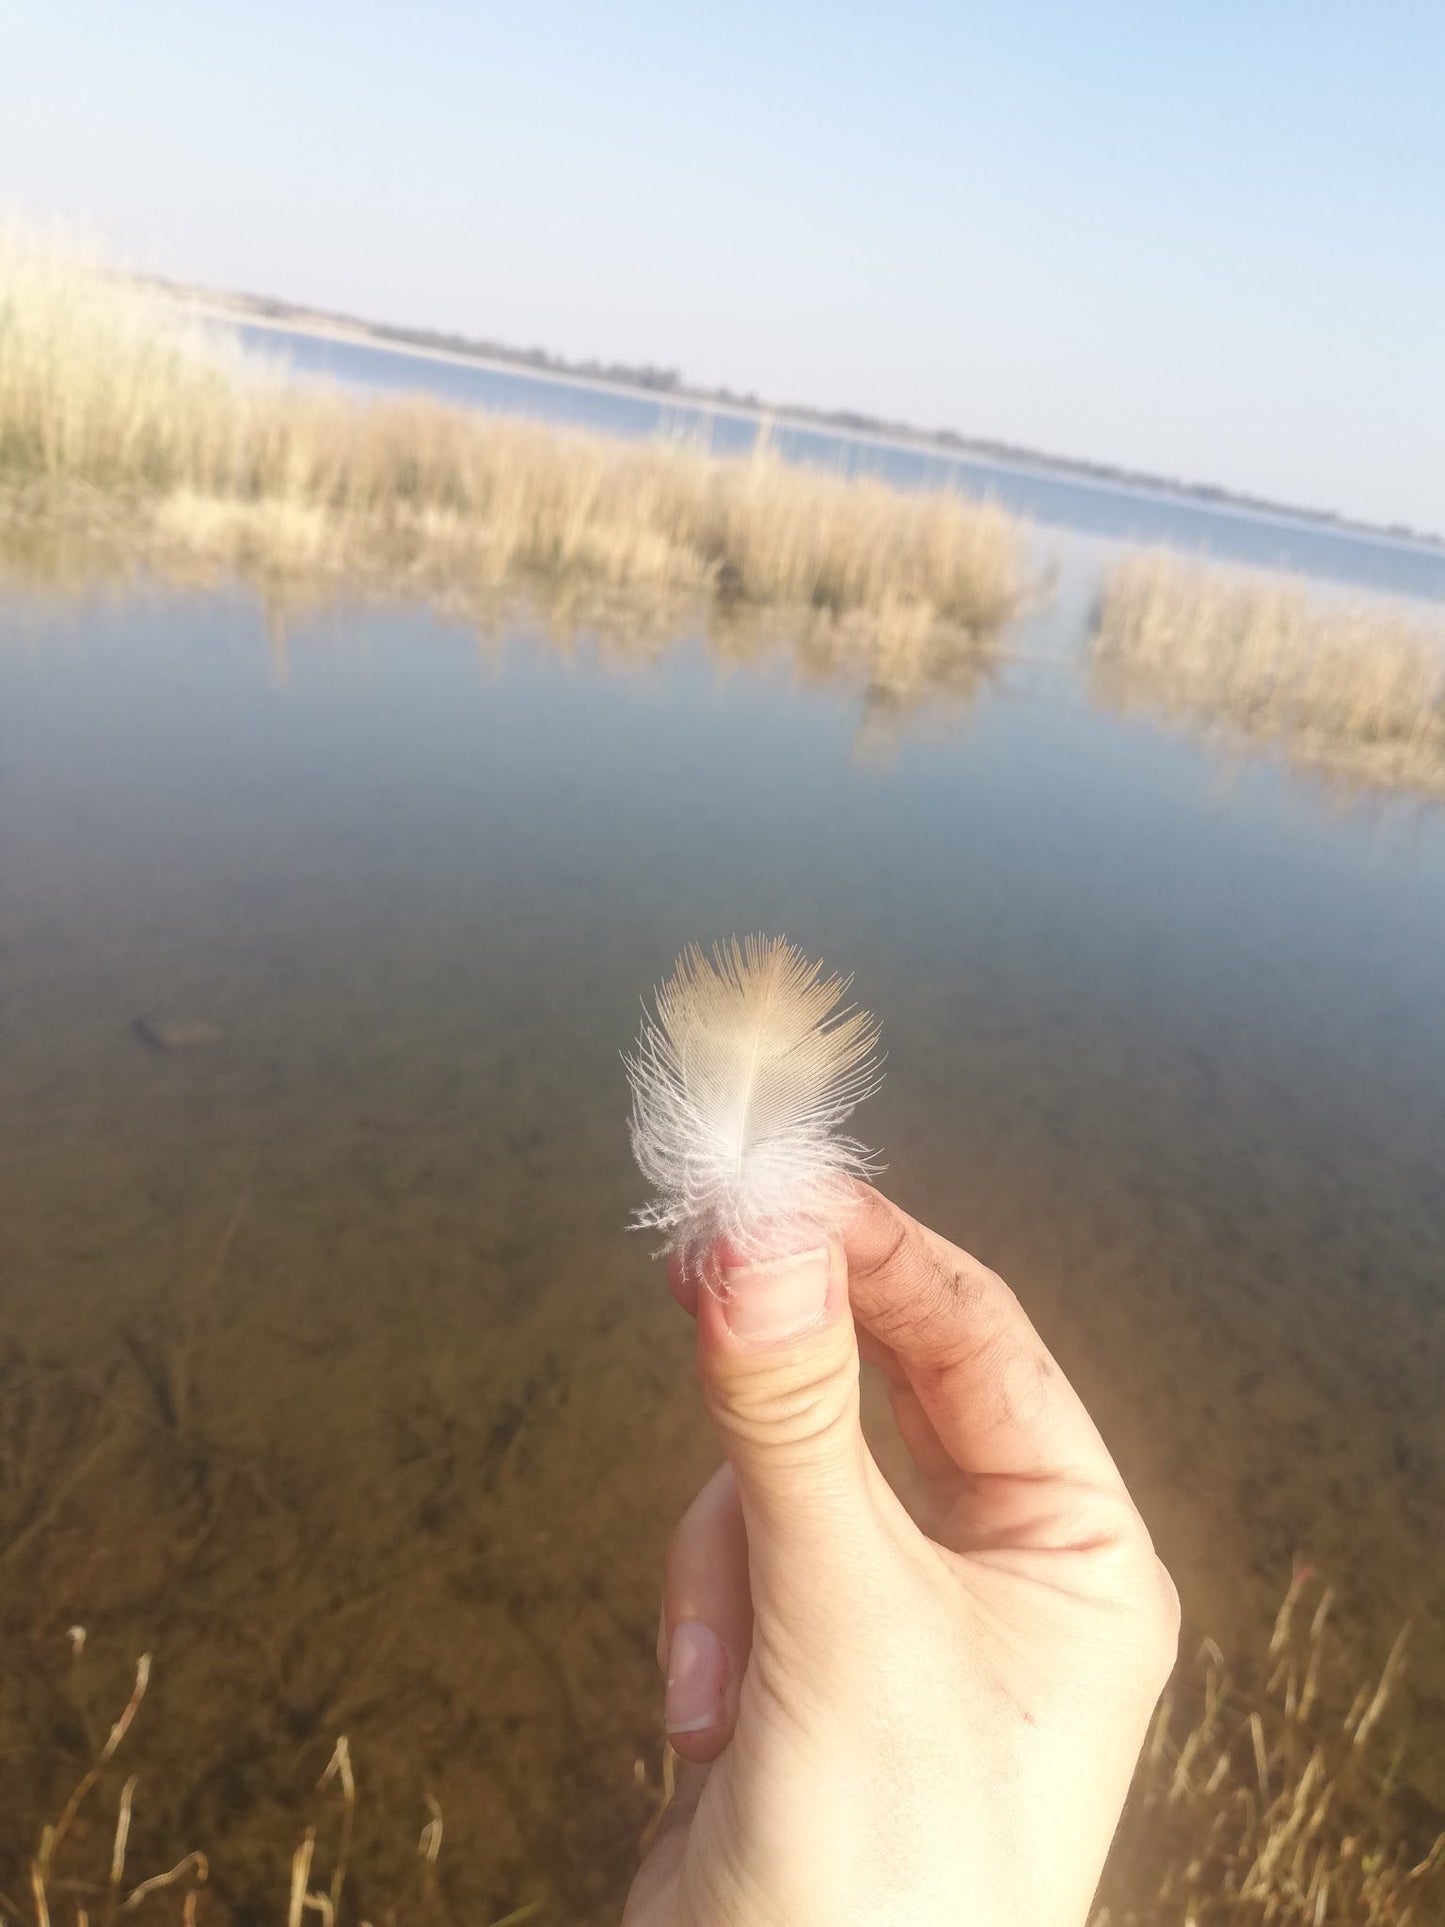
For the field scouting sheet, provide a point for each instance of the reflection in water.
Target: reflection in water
(329, 1375)
(898, 660)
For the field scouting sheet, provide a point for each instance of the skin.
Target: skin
(887, 1716)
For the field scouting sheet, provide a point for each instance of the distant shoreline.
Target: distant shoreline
(282, 317)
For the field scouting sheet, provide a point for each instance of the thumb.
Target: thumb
(778, 1361)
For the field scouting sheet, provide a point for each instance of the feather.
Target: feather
(742, 1077)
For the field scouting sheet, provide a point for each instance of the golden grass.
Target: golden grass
(1266, 1800)
(112, 407)
(1356, 688)
(78, 1873)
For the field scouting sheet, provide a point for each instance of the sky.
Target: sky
(1206, 240)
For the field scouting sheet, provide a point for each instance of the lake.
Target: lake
(331, 1376)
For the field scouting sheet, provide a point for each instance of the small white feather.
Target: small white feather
(743, 1075)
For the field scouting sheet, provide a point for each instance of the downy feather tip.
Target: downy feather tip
(747, 1066)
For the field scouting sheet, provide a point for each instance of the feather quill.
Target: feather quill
(745, 1070)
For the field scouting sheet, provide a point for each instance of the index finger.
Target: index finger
(999, 1403)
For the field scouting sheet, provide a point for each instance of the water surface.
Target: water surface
(330, 1374)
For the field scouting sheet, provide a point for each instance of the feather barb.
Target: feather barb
(747, 1066)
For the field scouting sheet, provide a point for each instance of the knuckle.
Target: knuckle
(785, 1408)
(1155, 1615)
(1144, 1596)
(1170, 1618)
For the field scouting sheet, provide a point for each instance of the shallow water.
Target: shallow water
(329, 1374)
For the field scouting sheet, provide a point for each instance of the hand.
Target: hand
(891, 1720)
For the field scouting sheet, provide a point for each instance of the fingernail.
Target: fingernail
(696, 1678)
(777, 1299)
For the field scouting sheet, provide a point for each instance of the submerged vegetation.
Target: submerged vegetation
(79, 1867)
(1355, 689)
(118, 417)
(1260, 1801)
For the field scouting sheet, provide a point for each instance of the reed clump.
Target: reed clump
(1353, 688)
(114, 408)
(1269, 1799)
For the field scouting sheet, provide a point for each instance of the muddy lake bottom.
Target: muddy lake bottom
(328, 1374)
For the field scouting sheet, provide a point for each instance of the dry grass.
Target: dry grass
(1261, 1801)
(1354, 688)
(78, 1874)
(1266, 1801)
(113, 408)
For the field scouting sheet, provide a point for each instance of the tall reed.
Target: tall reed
(113, 406)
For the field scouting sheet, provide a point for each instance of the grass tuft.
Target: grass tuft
(1355, 689)
(1268, 1799)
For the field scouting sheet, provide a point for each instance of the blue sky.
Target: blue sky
(1206, 240)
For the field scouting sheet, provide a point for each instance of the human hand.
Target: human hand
(890, 1719)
